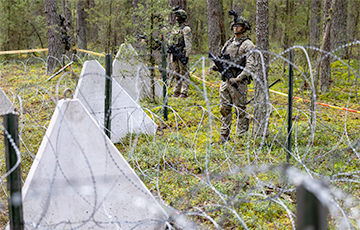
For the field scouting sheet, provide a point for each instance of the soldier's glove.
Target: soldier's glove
(185, 60)
(214, 68)
(233, 81)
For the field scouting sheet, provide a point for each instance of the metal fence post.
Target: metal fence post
(164, 78)
(14, 178)
(290, 104)
(311, 213)
(108, 94)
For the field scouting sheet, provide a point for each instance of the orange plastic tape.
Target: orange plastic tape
(23, 51)
(297, 98)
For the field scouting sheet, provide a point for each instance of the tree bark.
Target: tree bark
(326, 46)
(354, 16)
(339, 27)
(109, 48)
(261, 96)
(93, 28)
(81, 25)
(315, 20)
(216, 29)
(275, 26)
(287, 41)
(182, 5)
(54, 36)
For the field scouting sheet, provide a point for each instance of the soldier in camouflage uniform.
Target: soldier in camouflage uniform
(182, 40)
(237, 51)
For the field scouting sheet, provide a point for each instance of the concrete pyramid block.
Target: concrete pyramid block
(133, 75)
(79, 180)
(5, 104)
(127, 116)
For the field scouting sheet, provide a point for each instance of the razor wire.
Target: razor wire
(238, 184)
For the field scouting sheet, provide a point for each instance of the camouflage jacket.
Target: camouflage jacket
(238, 51)
(182, 39)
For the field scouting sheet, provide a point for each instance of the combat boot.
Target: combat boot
(183, 95)
(223, 139)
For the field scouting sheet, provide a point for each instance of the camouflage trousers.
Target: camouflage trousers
(229, 98)
(182, 77)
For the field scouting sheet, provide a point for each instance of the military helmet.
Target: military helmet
(239, 20)
(180, 13)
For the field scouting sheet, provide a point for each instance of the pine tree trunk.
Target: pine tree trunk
(216, 29)
(326, 46)
(315, 20)
(54, 36)
(261, 97)
(354, 16)
(81, 25)
(287, 39)
(93, 28)
(275, 26)
(339, 27)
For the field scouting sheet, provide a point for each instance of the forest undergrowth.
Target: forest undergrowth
(245, 183)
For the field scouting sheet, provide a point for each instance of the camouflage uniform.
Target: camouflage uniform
(65, 39)
(237, 50)
(182, 40)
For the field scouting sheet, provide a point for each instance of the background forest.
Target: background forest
(103, 25)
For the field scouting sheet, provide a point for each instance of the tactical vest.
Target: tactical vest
(233, 56)
(179, 40)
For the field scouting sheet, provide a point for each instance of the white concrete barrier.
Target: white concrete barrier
(79, 180)
(5, 104)
(127, 116)
(132, 74)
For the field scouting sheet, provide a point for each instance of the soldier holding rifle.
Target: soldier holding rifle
(239, 61)
(180, 50)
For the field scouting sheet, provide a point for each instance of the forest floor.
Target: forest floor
(228, 186)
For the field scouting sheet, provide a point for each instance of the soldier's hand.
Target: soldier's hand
(185, 60)
(214, 68)
(233, 81)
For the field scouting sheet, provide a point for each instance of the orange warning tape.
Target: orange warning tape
(23, 51)
(318, 103)
(213, 85)
(91, 52)
(204, 81)
(285, 95)
(45, 50)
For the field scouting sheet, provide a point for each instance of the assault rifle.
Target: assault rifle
(222, 69)
(269, 88)
(178, 54)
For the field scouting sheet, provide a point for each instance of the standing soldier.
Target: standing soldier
(182, 41)
(65, 39)
(240, 61)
